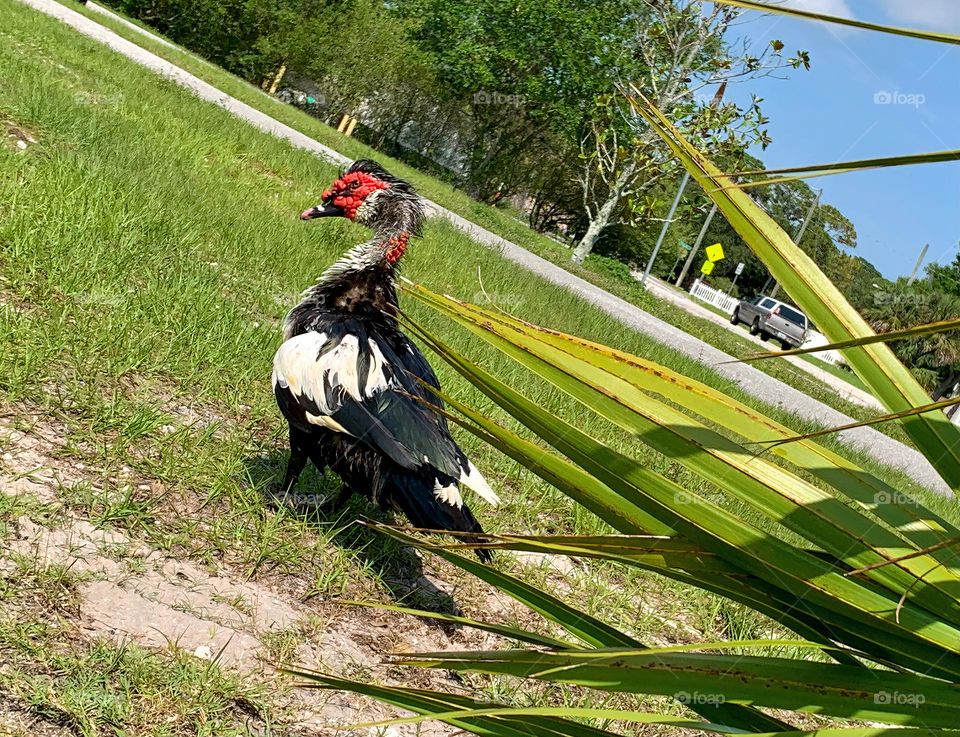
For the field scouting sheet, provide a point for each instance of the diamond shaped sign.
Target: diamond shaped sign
(714, 252)
(707, 267)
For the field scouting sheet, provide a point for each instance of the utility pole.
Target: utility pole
(916, 266)
(663, 230)
(696, 245)
(714, 103)
(803, 229)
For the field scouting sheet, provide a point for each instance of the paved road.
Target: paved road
(685, 302)
(755, 382)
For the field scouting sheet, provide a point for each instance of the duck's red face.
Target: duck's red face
(346, 196)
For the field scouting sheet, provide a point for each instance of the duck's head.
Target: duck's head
(369, 195)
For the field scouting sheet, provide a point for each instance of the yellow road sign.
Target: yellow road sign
(707, 267)
(714, 252)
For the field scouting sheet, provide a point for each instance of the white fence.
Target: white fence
(713, 296)
(813, 340)
(727, 303)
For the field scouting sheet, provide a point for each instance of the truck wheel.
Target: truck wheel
(735, 317)
(786, 346)
(755, 327)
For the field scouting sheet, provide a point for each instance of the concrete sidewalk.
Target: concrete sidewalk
(765, 388)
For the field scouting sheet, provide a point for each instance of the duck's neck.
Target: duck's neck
(361, 283)
(381, 253)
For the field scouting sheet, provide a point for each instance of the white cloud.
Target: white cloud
(827, 7)
(936, 15)
(840, 8)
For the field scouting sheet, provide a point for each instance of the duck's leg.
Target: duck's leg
(298, 459)
(322, 461)
(335, 504)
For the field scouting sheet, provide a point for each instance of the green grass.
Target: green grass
(500, 221)
(149, 247)
(89, 688)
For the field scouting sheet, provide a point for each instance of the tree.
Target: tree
(330, 44)
(857, 278)
(219, 30)
(518, 70)
(933, 359)
(676, 50)
(945, 278)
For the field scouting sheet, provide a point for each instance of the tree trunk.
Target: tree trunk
(604, 215)
(597, 226)
(277, 78)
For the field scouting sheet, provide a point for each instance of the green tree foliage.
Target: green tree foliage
(945, 278)
(224, 31)
(933, 359)
(519, 72)
(354, 52)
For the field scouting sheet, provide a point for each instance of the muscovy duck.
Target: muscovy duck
(347, 379)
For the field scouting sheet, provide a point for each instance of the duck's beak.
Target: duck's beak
(323, 210)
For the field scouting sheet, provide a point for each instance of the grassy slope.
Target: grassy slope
(149, 247)
(500, 222)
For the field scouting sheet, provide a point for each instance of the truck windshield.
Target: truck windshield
(788, 313)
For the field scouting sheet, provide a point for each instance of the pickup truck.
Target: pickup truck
(770, 318)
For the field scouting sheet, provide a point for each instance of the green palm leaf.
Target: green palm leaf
(805, 579)
(779, 683)
(431, 702)
(932, 407)
(890, 380)
(790, 174)
(918, 331)
(781, 495)
(912, 521)
(510, 633)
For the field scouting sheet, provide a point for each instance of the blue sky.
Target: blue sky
(870, 94)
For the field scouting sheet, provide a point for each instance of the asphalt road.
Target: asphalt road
(881, 447)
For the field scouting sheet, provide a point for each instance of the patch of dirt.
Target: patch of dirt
(17, 722)
(17, 136)
(26, 466)
(132, 592)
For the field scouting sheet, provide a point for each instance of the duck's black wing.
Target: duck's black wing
(363, 382)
